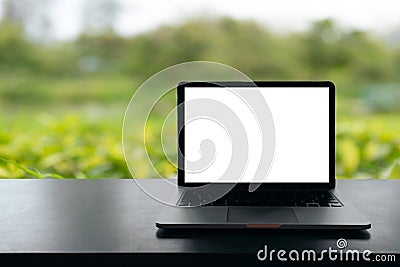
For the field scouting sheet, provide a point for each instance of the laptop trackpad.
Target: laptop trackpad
(261, 215)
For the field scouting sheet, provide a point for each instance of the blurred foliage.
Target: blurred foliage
(69, 146)
(63, 102)
(368, 146)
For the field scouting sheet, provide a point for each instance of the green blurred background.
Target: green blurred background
(62, 99)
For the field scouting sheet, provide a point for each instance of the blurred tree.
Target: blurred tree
(320, 50)
(16, 52)
(350, 58)
(29, 15)
(14, 12)
(244, 45)
(99, 16)
(397, 64)
(100, 53)
(367, 59)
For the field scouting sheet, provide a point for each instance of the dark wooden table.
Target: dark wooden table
(116, 216)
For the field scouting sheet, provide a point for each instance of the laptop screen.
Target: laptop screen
(275, 134)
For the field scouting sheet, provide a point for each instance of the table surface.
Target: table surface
(116, 216)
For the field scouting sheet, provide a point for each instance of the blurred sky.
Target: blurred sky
(138, 16)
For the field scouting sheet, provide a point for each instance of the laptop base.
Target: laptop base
(345, 218)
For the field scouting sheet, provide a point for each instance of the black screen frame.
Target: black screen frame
(268, 186)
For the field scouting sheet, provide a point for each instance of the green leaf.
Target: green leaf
(350, 155)
(35, 173)
(394, 172)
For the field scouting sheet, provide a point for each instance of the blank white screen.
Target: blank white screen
(301, 121)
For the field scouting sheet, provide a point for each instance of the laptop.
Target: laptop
(257, 155)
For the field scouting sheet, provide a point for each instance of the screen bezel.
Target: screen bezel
(273, 186)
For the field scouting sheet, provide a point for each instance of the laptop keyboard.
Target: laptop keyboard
(268, 199)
